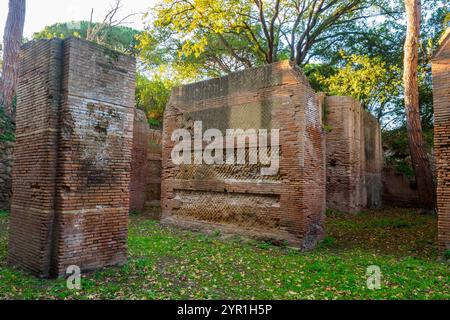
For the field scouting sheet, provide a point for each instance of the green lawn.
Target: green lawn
(167, 263)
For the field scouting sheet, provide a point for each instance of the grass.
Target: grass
(169, 263)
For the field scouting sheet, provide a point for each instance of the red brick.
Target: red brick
(441, 96)
(71, 172)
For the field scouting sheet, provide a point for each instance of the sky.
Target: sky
(41, 13)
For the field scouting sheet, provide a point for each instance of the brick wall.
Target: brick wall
(398, 190)
(288, 206)
(35, 156)
(441, 95)
(139, 163)
(71, 172)
(373, 161)
(354, 156)
(153, 190)
(145, 185)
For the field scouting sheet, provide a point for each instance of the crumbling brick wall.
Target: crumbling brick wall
(354, 156)
(288, 206)
(139, 163)
(441, 95)
(71, 172)
(6, 163)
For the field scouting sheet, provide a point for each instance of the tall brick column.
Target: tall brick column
(354, 156)
(441, 95)
(139, 163)
(71, 172)
(153, 190)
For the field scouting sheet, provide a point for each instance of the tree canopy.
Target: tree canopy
(346, 47)
(196, 39)
(120, 38)
(226, 35)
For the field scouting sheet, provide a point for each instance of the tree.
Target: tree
(369, 80)
(120, 38)
(227, 35)
(98, 32)
(12, 41)
(419, 157)
(152, 97)
(110, 32)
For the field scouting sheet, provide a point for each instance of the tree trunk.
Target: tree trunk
(12, 41)
(419, 157)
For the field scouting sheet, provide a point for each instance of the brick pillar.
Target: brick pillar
(35, 156)
(153, 195)
(374, 159)
(139, 163)
(354, 156)
(441, 95)
(72, 160)
(345, 154)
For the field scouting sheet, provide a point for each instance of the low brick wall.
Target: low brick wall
(74, 129)
(441, 95)
(398, 191)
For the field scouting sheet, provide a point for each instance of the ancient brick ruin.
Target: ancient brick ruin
(71, 172)
(145, 185)
(154, 167)
(399, 190)
(139, 163)
(354, 156)
(288, 206)
(6, 163)
(441, 95)
(85, 157)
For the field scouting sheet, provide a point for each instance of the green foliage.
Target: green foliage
(120, 38)
(447, 254)
(381, 46)
(155, 123)
(405, 167)
(191, 35)
(215, 37)
(7, 128)
(166, 263)
(316, 73)
(397, 152)
(369, 80)
(152, 97)
(328, 242)
(134, 213)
